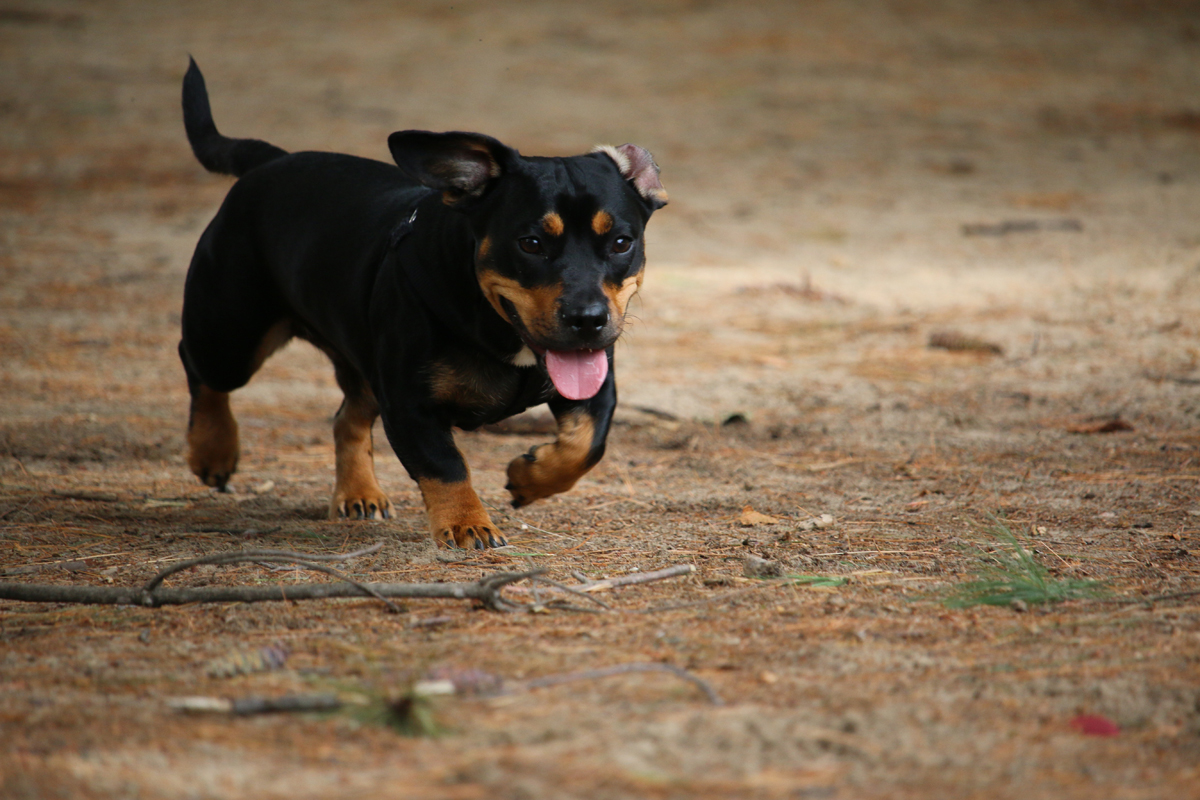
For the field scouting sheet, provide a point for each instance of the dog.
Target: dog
(454, 289)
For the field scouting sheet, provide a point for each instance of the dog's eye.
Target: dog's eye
(622, 244)
(530, 244)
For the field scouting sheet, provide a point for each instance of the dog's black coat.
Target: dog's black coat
(380, 266)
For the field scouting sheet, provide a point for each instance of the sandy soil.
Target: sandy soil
(847, 181)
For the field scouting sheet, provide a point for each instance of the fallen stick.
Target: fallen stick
(486, 590)
(574, 591)
(632, 579)
(244, 706)
(427, 688)
(238, 556)
(279, 556)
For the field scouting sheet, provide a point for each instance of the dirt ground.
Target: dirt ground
(847, 181)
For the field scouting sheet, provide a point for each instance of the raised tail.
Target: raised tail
(215, 152)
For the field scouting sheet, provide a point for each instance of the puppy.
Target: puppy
(457, 288)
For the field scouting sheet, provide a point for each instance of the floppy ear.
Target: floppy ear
(459, 165)
(637, 166)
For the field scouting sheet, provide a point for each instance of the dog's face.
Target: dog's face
(559, 241)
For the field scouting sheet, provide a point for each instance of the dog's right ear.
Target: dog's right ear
(461, 166)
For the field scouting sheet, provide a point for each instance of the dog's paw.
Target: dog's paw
(476, 537)
(212, 438)
(360, 505)
(213, 461)
(535, 475)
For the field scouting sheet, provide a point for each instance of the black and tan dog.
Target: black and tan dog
(458, 289)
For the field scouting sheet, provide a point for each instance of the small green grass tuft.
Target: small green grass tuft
(1017, 577)
(410, 715)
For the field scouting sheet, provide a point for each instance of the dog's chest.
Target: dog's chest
(479, 389)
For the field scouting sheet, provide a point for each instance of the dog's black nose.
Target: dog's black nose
(587, 320)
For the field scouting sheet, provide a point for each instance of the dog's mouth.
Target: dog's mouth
(576, 374)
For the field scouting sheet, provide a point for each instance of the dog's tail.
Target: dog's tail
(215, 152)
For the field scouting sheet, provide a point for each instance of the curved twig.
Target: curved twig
(237, 556)
(571, 590)
(303, 560)
(636, 578)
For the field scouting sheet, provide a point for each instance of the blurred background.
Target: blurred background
(926, 265)
(826, 161)
(829, 163)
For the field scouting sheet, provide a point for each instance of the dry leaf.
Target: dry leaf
(750, 518)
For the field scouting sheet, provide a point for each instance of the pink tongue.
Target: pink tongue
(577, 374)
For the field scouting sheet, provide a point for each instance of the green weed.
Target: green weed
(1016, 576)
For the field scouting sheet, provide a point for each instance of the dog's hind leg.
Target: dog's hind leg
(212, 436)
(356, 494)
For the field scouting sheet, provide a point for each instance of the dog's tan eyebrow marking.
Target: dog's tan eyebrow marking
(552, 223)
(602, 222)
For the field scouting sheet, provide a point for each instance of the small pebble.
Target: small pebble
(755, 567)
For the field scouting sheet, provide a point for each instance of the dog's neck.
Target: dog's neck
(442, 236)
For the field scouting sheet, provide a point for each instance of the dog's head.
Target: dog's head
(559, 242)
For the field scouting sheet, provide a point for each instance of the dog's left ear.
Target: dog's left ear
(637, 166)
(459, 165)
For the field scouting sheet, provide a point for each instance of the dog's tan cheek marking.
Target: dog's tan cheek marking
(552, 224)
(602, 222)
(535, 306)
(485, 247)
(556, 467)
(620, 296)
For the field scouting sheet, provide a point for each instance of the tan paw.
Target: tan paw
(472, 537)
(212, 438)
(213, 453)
(360, 505)
(536, 475)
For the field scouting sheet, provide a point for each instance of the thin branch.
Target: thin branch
(238, 556)
(622, 669)
(563, 605)
(244, 706)
(573, 591)
(487, 591)
(636, 578)
(330, 702)
(302, 560)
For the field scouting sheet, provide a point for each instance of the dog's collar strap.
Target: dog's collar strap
(404, 228)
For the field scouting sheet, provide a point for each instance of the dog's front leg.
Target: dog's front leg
(555, 467)
(425, 446)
